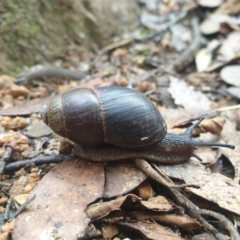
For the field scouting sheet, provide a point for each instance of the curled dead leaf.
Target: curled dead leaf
(213, 126)
(99, 210)
(150, 230)
(182, 221)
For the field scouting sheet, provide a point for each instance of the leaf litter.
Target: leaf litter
(61, 198)
(123, 64)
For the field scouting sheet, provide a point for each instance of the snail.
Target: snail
(114, 123)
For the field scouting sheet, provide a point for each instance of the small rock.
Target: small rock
(17, 91)
(13, 123)
(3, 200)
(8, 227)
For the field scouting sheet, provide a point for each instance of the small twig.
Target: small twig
(24, 205)
(5, 184)
(38, 161)
(150, 172)
(187, 56)
(6, 213)
(5, 158)
(192, 210)
(226, 222)
(41, 72)
(183, 201)
(5, 192)
(227, 108)
(186, 185)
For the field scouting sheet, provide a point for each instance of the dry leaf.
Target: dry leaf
(100, 210)
(150, 230)
(31, 107)
(61, 198)
(159, 199)
(213, 187)
(182, 221)
(213, 126)
(158, 207)
(130, 201)
(121, 178)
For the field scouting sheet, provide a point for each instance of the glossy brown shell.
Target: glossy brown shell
(114, 115)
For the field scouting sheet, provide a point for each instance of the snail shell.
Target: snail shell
(112, 115)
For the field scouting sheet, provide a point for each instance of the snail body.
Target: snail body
(114, 123)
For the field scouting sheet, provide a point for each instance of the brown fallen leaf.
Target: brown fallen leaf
(130, 201)
(100, 210)
(214, 126)
(26, 109)
(183, 221)
(158, 207)
(213, 187)
(159, 200)
(121, 178)
(61, 198)
(150, 230)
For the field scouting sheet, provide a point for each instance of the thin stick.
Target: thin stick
(24, 205)
(5, 158)
(183, 201)
(6, 213)
(38, 161)
(227, 108)
(227, 223)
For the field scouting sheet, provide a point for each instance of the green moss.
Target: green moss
(33, 31)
